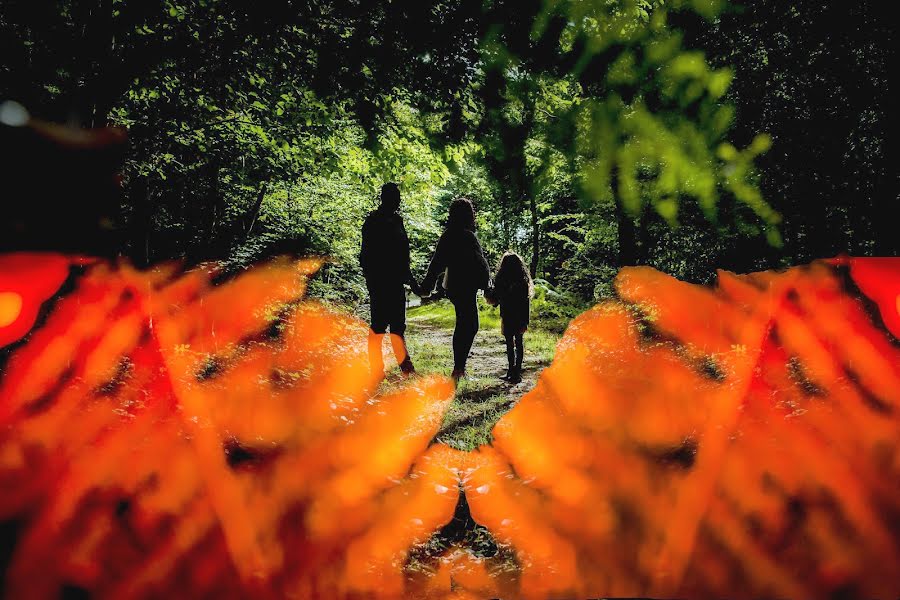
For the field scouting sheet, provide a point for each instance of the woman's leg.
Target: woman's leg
(465, 330)
(520, 350)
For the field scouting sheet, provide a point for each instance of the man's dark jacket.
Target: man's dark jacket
(384, 256)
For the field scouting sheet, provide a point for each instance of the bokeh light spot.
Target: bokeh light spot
(10, 308)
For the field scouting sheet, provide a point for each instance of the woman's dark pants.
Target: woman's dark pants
(466, 306)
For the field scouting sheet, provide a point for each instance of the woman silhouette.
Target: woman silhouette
(459, 258)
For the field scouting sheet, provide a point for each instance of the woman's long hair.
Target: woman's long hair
(513, 273)
(461, 215)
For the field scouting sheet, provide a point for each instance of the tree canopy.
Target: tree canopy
(591, 134)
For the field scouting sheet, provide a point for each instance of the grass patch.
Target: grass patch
(429, 356)
(440, 314)
(540, 339)
(541, 344)
(469, 421)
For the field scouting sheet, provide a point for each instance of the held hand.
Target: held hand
(425, 294)
(490, 296)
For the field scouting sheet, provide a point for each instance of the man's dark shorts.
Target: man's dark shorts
(388, 303)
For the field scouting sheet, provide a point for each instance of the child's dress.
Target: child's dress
(515, 306)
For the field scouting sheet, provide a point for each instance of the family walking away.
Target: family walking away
(458, 265)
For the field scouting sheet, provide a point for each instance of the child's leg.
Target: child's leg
(520, 350)
(510, 352)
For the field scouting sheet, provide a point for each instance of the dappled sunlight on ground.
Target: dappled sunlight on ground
(482, 397)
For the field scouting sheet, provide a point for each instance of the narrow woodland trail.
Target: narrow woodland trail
(482, 397)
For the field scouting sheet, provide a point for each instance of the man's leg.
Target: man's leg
(378, 326)
(376, 360)
(398, 331)
(398, 343)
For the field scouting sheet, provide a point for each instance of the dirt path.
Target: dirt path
(482, 397)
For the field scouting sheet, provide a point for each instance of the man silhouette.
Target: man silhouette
(384, 258)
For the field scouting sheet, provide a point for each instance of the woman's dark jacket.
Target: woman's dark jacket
(460, 260)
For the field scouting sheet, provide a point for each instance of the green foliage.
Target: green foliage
(651, 128)
(816, 76)
(553, 308)
(590, 134)
(440, 313)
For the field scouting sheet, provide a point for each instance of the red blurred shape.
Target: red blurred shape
(165, 435)
(879, 279)
(737, 441)
(27, 280)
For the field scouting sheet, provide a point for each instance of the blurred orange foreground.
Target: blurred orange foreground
(165, 436)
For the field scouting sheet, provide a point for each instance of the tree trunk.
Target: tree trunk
(643, 234)
(884, 205)
(140, 222)
(535, 237)
(94, 55)
(628, 250)
(256, 207)
(213, 240)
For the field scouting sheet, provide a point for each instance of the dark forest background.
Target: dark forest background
(591, 134)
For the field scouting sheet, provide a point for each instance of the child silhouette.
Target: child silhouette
(512, 290)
